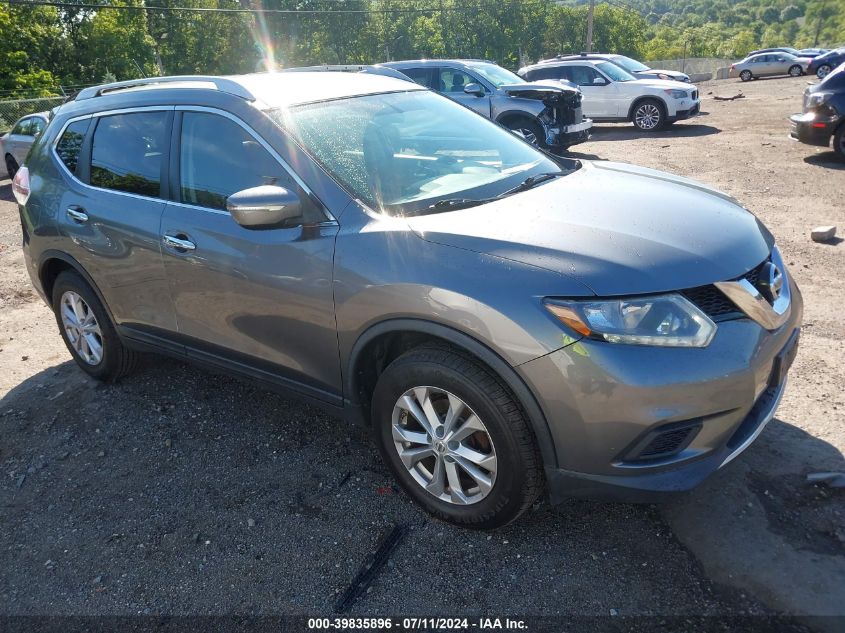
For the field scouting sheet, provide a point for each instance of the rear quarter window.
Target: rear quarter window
(70, 144)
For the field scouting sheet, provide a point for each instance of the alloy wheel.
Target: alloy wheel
(444, 445)
(527, 134)
(823, 71)
(81, 328)
(795, 71)
(647, 116)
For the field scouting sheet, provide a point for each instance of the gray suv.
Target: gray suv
(545, 113)
(504, 321)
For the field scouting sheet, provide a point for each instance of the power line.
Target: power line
(455, 9)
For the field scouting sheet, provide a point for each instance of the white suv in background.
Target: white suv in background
(611, 93)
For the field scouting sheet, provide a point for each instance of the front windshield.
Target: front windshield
(631, 65)
(497, 75)
(403, 152)
(614, 72)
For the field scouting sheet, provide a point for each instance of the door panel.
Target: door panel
(262, 294)
(115, 226)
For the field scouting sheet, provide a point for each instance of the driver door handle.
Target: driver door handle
(178, 242)
(77, 214)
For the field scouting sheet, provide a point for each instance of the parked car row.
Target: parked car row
(768, 62)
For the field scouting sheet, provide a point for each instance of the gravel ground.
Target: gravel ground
(184, 492)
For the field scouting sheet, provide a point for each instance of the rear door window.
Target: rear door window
(127, 152)
(422, 76)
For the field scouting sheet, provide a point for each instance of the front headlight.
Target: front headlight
(666, 320)
(818, 98)
(677, 94)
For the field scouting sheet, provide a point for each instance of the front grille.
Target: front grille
(714, 303)
(694, 95)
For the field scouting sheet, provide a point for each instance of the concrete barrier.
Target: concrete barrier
(698, 77)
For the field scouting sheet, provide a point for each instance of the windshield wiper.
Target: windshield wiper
(533, 181)
(453, 204)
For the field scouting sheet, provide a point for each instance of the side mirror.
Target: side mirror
(474, 89)
(263, 207)
(599, 81)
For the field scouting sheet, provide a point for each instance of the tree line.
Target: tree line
(46, 49)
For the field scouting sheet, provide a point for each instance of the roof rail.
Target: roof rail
(370, 69)
(220, 83)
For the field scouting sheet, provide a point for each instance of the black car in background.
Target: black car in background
(823, 113)
(823, 64)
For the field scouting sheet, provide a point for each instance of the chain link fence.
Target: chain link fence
(12, 110)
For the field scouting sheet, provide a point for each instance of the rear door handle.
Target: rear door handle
(178, 242)
(77, 214)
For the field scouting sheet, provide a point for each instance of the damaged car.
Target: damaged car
(546, 113)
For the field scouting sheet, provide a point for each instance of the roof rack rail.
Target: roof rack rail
(220, 83)
(370, 69)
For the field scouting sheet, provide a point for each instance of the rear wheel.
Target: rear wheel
(823, 71)
(87, 330)
(649, 115)
(455, 438)
(746, 75)
(795, 71)
(11, 166)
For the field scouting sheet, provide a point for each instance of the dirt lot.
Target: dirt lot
(183, 492)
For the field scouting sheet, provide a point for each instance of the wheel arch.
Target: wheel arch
(513, 115)
(639, 100)
(52, 263)
(381, 343)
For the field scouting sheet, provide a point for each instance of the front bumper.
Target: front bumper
(571, 135)
(603, 401)
(812, 128)
(680, 115)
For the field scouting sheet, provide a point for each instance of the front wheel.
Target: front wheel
(529, 130)
(87, 330)
(455, 438)
(746, 75)
(823, 71)
(795, 71)
(649, 115)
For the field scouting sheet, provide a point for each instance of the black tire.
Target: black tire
(796, 71)
(823, 71)
(839, 141)
(518, 480)
(649, 115)
(530, 130)
(746, 75)
(117, 360)
(11, 166)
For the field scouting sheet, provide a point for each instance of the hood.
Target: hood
(547, 89)
(658, 71)
(616, 228)
(662, 84)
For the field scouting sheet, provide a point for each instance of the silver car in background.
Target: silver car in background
(15, 143)
(546, 113)
(768, 64)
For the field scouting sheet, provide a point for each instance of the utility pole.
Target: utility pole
(819, 25)
(590, 26)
